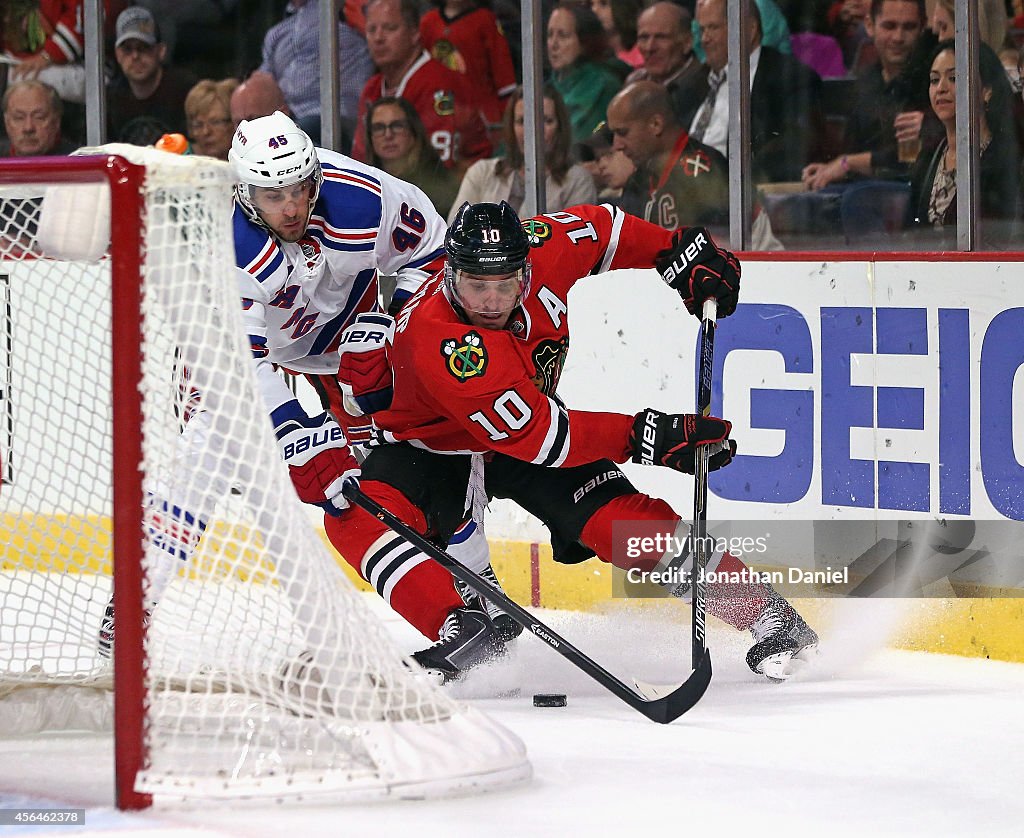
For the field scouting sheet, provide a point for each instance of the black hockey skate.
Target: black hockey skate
(467, 639)
(504, 626)
(782, 640)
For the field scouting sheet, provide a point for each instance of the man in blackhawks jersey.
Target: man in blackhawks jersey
(462, 389)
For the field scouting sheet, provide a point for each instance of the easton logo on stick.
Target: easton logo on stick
(466, 358)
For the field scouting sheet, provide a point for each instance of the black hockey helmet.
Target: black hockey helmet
(487, 239)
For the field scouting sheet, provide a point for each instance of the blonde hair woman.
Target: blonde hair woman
(208, 117)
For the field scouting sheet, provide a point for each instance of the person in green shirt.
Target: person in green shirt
(577, 50)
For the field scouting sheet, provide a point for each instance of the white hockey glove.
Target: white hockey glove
(319, 461)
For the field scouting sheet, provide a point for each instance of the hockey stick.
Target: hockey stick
(699, 651)
(659, 707)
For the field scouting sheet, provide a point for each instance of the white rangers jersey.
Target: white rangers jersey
(297, 298)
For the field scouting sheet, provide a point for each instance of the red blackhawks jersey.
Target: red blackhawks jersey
(445, 102)
(473, 44)
(464, 389)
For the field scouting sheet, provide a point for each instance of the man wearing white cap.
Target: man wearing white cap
(144, 89)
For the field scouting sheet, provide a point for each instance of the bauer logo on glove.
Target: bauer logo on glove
(700, 270)
(672, 439)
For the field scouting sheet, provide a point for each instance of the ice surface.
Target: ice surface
(892, 742)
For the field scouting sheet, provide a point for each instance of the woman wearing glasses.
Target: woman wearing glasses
(208, 117)
(398, 144)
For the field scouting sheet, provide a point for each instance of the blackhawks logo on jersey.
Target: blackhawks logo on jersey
(465, 358)
(548, 360)
(448, 54)
(444, 102)
(537, 232)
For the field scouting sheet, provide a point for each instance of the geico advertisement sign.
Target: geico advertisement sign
(893, 408)
(856, 389)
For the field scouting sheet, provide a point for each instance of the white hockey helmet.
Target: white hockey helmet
(272, 151)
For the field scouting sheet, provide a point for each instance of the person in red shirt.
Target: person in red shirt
(465, 36)
(443, 98)
(468, 409)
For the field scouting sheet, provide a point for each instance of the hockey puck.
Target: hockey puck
(549, 700)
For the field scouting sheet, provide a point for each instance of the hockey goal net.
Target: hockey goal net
(140, 478)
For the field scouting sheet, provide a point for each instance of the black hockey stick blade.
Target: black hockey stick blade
(681, 698)
(656, 707)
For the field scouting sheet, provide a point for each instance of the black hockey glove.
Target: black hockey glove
(671, 439)
(700, 270)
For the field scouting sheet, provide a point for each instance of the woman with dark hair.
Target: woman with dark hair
(577, 47)
(398, 144)
(501, 178)
(933, 178)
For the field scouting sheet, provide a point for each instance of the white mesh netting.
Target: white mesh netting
(267, 674)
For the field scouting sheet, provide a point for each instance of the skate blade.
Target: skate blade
(784, 665)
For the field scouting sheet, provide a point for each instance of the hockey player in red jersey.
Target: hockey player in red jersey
(472, 412)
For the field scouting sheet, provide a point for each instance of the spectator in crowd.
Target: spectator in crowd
(464, 35)
(775, 32)
(888, 100)
(44, 40)
(259, 95)
(208, 116)
(846, 23)
(576, 49)
(444, 99)
(619, 19)
(679, 181)
(291, 54)
(666, 44)
(786, 117)
(502, 179)
(992, 21)
(611, 169)
(32, 112)
(933, 178)
(865, 189)
(144, 88)
(398, 144)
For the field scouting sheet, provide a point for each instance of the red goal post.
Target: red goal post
(245, 663)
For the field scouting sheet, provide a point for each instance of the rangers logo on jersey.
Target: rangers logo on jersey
(310, 250)
(537, 231)
(466, 359)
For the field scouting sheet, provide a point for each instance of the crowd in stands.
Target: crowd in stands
(852, 102)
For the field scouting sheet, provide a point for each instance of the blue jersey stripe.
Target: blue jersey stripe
(334, 326)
